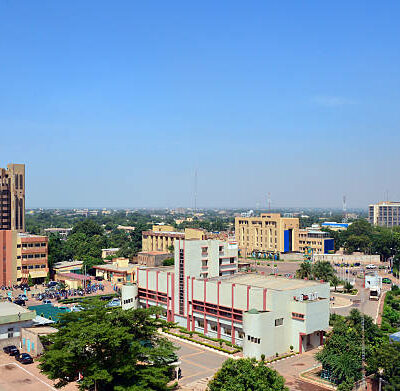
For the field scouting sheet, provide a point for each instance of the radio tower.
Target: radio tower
(195, 190)
(344, 210)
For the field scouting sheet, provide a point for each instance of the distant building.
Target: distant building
(106, 252)
(268, 232)
(385, 214)
(335, 226)
(313, 241)
(63, 232)
(152, 258)
(126, 228)
(12, 197)
(68, 267)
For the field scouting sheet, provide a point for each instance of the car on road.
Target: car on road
(23, 297)
(386, 280)
(13, 352)
(24, 358)
(46, 301)
(371, 266)
(19, 302)
(7, 349)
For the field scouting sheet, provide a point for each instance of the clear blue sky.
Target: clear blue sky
(116, 103)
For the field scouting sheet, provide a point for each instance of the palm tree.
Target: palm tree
(323, 270)
(305, 271)
(335, 281)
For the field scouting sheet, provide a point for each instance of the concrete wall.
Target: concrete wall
(352, 258)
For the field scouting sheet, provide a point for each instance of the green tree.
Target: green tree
(30, 281)
(323, 270)
(347, 286)
(335, 281)
(246, 374)
(88, 227)
(112, 349)
(385, 364)
(305, 271)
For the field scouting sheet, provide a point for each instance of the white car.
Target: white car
(46, 301)
(371, 266)
(116, 302)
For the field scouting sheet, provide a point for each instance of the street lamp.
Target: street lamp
(380, 371)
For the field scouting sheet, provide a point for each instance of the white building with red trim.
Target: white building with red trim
(203, 292)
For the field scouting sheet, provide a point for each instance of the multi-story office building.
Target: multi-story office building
(314, 241)
(12, 197)
(22, 255)
(264, 314)
(268, 232)
(32, 257)
(162, 237)
(385, 214)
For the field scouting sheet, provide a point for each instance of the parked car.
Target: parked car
(46, 301)
(52, 283)
(116, 302)
(19, 302)
(13, 352)
(7, 349)
(24, 358)
(76, 308)
(386, 280)
(371, 266)
(22, 297)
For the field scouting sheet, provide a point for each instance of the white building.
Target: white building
(12, 318)
(203, 292)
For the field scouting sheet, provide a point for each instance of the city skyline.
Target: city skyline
(118, 106)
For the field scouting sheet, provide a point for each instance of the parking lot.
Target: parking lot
(17, 377)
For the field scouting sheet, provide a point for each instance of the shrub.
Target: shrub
(291, 348)
(168, 262)
(263, 357)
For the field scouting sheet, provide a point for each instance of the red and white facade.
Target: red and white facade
(204, 293)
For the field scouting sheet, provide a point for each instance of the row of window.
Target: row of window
(30, 267)
(30, 245)
(30, 256)
(253, 339)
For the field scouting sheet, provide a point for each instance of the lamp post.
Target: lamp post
(380, 371)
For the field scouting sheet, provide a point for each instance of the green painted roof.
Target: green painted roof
(48, 311)
(253, 311)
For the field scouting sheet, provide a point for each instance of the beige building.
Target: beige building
(268, 232)
(385, 214)
(32, 253)
(152, 258)
(120, 271)
(30, 339)
(106, 252)
(12, 197)
(313, 241)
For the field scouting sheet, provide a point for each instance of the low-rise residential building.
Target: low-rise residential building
(30, 339)
(203, 292)
(120, 271)
(126, 228)
(73, 280)
(12, 318)
(152, 258)
(107, 252)
(62, 232)
(68, 267)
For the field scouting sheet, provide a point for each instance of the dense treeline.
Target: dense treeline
(88, 238)
(362, 236)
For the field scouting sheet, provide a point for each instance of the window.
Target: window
(296, 315)
(10, 332)
(279, 322)
(42, 266)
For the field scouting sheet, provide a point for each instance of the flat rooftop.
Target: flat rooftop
(42, 330)
(271, 282)
(157, 268)
(154, 252)
(7, 308)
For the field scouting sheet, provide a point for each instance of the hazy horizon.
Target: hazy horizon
(118, 104)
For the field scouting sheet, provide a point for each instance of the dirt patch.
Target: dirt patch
(298, 365)
(9, 367)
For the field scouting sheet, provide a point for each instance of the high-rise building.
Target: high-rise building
(12, 197)
(385, 213)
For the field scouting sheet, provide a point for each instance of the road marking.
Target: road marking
(190, 354)
(29, 373)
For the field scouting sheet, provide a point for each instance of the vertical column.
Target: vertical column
(168, 302)
(233, 304)
(193, 325)
(248, 297)
(264, 299)
(218, 323)
(205, 301)
(157, 273)
(173, 297)
(187, 303)
(147, 288)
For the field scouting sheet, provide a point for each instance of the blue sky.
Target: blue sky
(115, 104)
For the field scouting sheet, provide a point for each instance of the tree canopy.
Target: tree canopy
(320, 270)
(113, 349)
(246, 374)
